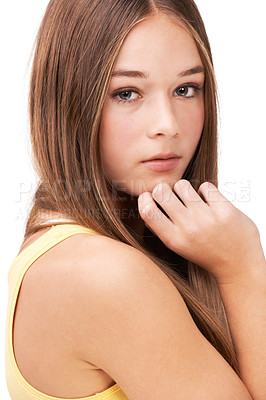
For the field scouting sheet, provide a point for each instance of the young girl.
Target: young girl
(137, 279)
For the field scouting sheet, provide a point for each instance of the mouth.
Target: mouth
(162, 162)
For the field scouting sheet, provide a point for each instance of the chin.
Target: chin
(137, 187)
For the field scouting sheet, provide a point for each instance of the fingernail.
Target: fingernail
(157, 189)
(145, 204)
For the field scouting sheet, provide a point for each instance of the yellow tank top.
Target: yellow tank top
(18, 387)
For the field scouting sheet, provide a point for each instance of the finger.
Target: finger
(169, 233)
(211, 194)
(187, 193)
(166, 198)
(151, 215)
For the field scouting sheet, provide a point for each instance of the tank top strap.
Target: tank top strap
(55, 235)
(18, 387)
(56, 221)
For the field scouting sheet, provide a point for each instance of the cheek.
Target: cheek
(117, 133)
(193, 123)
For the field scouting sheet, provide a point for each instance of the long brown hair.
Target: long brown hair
(76, 48)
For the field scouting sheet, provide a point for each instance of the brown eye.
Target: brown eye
(187, 91)
(182, 91)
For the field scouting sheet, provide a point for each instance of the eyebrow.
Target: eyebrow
(139, 74)
(192, 71)
(130, 74)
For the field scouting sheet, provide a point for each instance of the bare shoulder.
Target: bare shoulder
(94, 268)
(125, 316)
(100, 282)
(137, 328)
(98, 263)
(117, 265)
(111, 273)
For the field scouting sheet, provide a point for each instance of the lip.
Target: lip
(162, 162)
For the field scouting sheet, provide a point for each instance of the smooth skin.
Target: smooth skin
(160, 112)
(112, 314)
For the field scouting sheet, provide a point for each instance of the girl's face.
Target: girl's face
(153, 114)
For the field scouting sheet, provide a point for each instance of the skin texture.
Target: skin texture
(154, 117)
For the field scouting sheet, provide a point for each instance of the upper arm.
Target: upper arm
(136, 327)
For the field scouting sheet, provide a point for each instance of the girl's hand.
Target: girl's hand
(204, 228)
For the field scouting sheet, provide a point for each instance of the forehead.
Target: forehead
(158, 42)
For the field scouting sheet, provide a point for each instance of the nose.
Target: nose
(164, 119)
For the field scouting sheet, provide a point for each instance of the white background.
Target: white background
(237, 34)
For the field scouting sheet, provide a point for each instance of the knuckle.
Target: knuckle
(226, 214)
(171, 242)
(174, 242)
(192, 231)
(253, 229)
